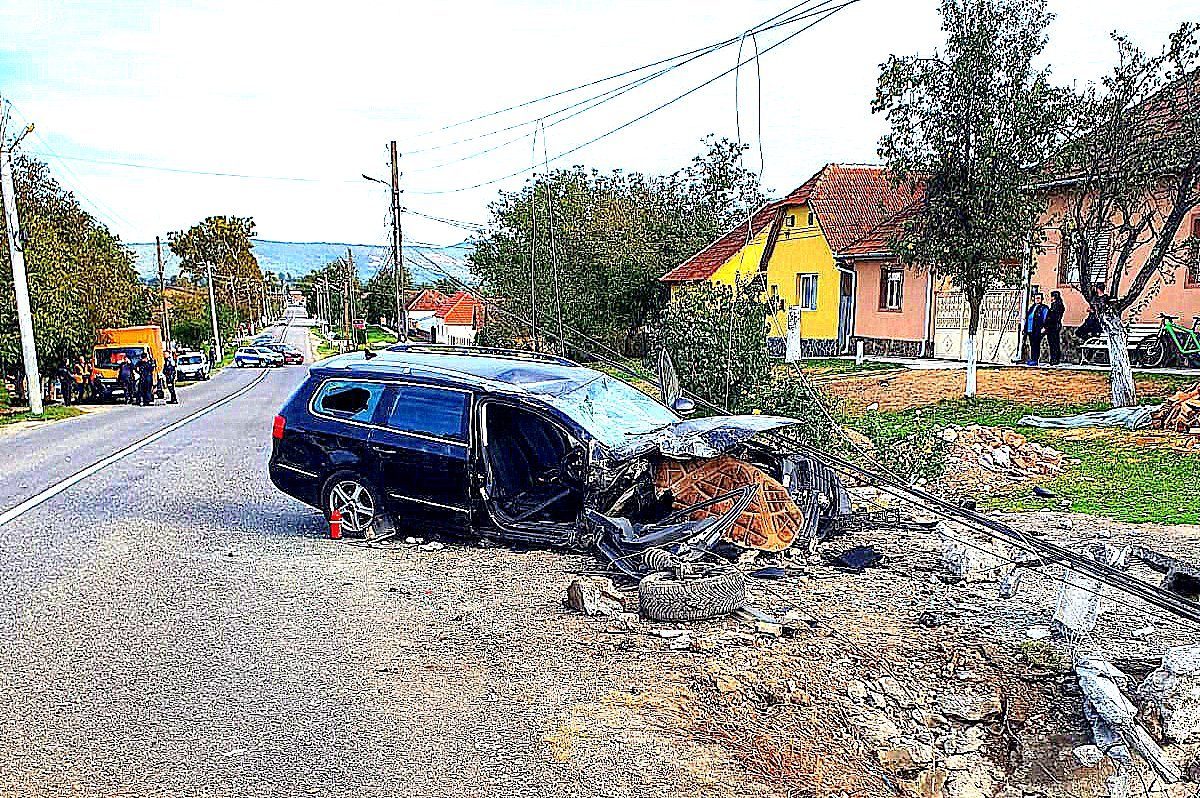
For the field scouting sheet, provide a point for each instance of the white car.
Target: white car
(256, 356)
(192, 366)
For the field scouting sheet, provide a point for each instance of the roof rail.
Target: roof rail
(482, 351)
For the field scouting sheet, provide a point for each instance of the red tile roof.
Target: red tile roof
(705, 263)
(462, 309)
(849, 202)
(878, 243)
(429, 299)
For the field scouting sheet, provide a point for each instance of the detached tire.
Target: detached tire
(662, 597)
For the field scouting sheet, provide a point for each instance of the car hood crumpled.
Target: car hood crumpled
(700, 437)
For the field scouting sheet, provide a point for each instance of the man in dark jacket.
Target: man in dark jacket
(1054, 317)
(1035, 327)
(145, 370)
(126, 379)
(65, 382)
(169, 379)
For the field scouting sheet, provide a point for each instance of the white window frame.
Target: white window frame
(802, 295)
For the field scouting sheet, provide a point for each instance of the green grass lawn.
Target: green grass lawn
(1120, 475)
(837, 366)
(376, 335)
(51, 412)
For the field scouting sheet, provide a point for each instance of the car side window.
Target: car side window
(349, 399)
(430, 411)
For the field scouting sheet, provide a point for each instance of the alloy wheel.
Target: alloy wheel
(354, 502)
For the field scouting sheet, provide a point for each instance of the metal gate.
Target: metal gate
(999, 325)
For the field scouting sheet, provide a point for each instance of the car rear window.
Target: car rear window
(430, 411)
(189, 360)
(349, 399)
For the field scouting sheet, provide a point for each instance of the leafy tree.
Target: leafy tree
(226, 243)
(81, 278)
(973, 124)
(380, 299)
(717, 340)
(191, 321)
(607, 238)
(1132, 178)
(337, 282)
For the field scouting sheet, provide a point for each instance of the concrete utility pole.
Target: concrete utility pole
(347, 327)
(162, 293)
(398, 249)
(16, 254)
(212, 307)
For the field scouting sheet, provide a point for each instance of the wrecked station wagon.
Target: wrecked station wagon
(536, 449)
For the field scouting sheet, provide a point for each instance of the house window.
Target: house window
(1193, 257)
(1099, 247)
(806, 291)
(790, 221)
(891, 288)
(812, 218)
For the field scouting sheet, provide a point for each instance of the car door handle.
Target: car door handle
(384, 449)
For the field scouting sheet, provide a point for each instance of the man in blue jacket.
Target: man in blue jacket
(1035, 328)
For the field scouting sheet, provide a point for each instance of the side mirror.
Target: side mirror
(683, 406)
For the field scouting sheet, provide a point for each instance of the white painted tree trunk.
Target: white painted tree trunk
(1124, 392)
(972, 365)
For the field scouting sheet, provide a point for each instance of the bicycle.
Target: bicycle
(1172, 344)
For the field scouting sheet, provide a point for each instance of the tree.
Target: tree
(226, 243)
(594, 245)
(717, 340)
(380, 300)
(1131, 177)
(973, 125)
(81, 278)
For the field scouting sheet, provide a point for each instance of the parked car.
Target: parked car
(527, 448)
(291, 355)
(256, 356)
(192, 366)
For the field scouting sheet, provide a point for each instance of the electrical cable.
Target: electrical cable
(824, 16)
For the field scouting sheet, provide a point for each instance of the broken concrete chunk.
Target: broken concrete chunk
(1078, 606)
(594, 595)
(973, 703)
(973, 561)
(1088, 755)
(1172, 692)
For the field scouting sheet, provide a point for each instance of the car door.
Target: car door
(422, 447)
(336, 431)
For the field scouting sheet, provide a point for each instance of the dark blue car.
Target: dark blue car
(511, 445)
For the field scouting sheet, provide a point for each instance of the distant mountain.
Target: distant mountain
(297, 258)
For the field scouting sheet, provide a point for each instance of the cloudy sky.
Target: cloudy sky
(300, 99)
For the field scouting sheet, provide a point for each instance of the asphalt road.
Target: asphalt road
(172, 625)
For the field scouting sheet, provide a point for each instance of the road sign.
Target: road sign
(360, 324)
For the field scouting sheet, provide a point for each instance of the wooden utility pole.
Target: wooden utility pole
(16, 254)
(162, 294)
(398, 250)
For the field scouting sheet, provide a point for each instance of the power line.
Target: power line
(652, 111)
(598, 81)
(200, 172)
(595, 101)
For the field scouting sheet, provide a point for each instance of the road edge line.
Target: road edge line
(49, 493)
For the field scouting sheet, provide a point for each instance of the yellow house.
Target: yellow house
(795, 242)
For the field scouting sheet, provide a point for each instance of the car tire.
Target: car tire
(662, 597)
(356, 495)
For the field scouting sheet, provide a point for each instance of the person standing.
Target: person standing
(1054, 318)
(65, 383)
(125, 378)
(1035, 327)
(145, 371)
(169, 379)
(78, 377)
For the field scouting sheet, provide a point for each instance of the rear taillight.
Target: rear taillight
(277, 427)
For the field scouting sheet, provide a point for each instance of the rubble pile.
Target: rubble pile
(1180, 412)
(978, 458)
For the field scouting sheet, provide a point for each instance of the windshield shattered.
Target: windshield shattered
(612, 411)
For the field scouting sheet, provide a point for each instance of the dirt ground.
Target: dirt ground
(919, 388)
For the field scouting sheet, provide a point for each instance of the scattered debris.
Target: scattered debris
(432, 545)
(1172, 694)
(595, 595)
(1180, 412)
(1127, 417)
(667, 596)
(857, 559)
(981, 458)
(1179, 575)
(972, 560)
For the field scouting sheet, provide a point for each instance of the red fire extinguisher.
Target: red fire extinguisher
(335, 525)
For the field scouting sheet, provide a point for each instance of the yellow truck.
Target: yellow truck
(131, 344)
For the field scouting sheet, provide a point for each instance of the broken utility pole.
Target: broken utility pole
(16, 253)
